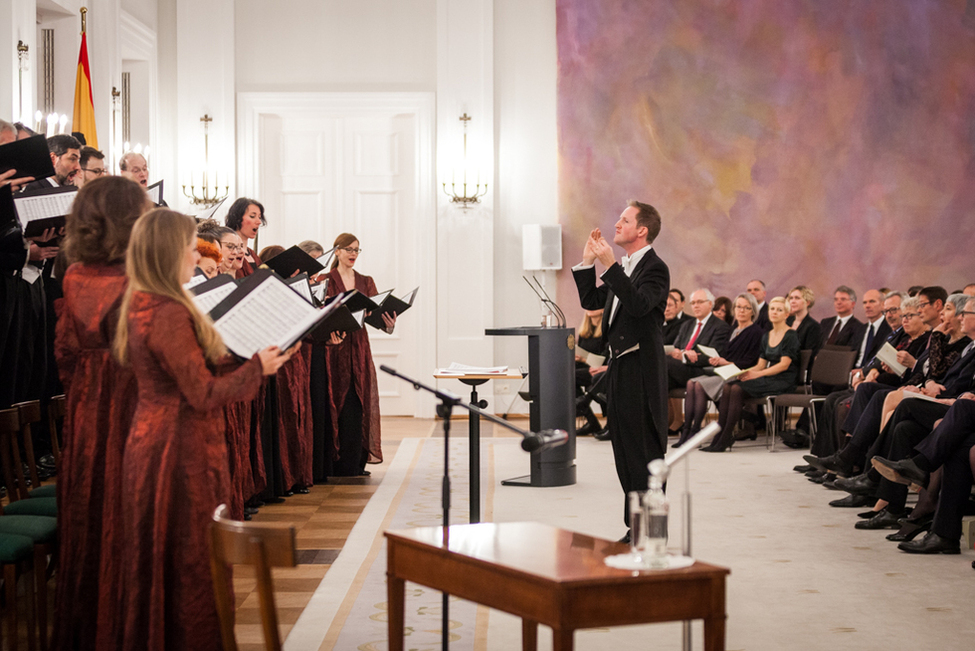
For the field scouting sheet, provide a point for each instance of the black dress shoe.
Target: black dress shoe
(859, 485)
(815, 472)
(585, 430)
(932, 543)
(853, 502)
(802, 468)
(822, 478)
(249, 510)
(832, 463)
(625, 538)
(911, 530)
(301, 490)
(883, 520)
(673, 432)
(904, 471)
(602, 436)
(715, 448)
(866, 515)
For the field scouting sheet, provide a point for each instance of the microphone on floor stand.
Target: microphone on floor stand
(544, 440)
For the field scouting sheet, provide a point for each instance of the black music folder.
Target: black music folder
(340, 319)
(208, 294)
(360, 301)
(30, 157)
(389, 304)
(301, 285)
(263, 311)
(292, 260)
(46, 208)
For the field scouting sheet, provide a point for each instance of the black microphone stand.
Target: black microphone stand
(447, 403)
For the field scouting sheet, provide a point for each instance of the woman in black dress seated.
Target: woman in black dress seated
(589, 340)
(776, 372)
(801, 299)
(743, 350)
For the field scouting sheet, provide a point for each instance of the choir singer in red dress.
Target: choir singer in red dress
(176, 467)
(100, 397)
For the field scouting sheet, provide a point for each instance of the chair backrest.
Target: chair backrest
(30, 413)
(244, 543)
(833, 366)
(56, 409)
(13, 474)
(805, 357)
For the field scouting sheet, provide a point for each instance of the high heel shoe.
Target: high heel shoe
(910, 529)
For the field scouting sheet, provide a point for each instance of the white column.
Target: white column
(204, 86)
(104, 62)
(465, 238)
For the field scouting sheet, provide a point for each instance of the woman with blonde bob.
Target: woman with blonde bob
(176, 466)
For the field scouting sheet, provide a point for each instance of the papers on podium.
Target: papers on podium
(888, 355)
(40, 210)
(294, 259)
(387, 305)
(728, 372)
(208, 294)
(263, 311)
(155, 192)
(30, 157)
(463, 369)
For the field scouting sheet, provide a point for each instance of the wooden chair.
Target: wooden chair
(30, 413)
(40, 529)
(56, 409)
(16, 558)
(243, 543)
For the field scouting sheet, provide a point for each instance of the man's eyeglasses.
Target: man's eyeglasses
(350, 250)
(96, 172)
(924, 304)
(964, 312)
(892, 310)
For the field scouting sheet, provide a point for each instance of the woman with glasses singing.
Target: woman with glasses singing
(245, 217)
(353, 390)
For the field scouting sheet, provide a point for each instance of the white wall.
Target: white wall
(525, 66)
(336, 45)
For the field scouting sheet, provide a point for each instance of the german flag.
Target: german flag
(83, 119)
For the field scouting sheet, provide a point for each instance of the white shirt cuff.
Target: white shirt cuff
(582, 266)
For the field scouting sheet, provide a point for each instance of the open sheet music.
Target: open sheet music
(387, 305)
(197, 279)
(155, 192)
(294, 259)
(263, 311)
(44, 209)
(300, 284)
(208, 294)
(728, 372)
(340, 319)
(210, 212)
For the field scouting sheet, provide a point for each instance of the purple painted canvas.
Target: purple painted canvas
(801, 142)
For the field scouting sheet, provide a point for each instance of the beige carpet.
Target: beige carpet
(802, 576)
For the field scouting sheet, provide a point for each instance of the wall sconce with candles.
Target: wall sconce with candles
(206, 199)
(466, 198)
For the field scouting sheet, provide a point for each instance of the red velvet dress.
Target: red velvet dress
(350, 365)
(294, 419)
(100, 400)
(176, 473)
(249, 268)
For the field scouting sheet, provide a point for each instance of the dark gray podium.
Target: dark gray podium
(551, 385)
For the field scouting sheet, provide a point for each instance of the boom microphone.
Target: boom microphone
(544, 440)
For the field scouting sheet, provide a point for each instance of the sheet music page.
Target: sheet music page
(271, 315)
(44, 206)
(209, 300)
(380, 297)
(409, 297)
(210, 212)
(155, 192)
(319, 290)
(198, 279)
(921, 396)
(303, 288)
(463, 369)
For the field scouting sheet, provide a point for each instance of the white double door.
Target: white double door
(330, 163)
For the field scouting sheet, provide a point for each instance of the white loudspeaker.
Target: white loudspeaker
(541, 247)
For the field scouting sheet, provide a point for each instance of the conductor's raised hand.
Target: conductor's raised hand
(273, 358)
(604, 252)
(588, 254)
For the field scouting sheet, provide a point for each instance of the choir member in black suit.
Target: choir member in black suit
(633, 295)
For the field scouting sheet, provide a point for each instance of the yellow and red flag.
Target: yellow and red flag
(83, 119)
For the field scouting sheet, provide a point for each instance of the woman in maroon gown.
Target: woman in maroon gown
(353, 390)
(175, 467)
(100, 398)
(246, 216)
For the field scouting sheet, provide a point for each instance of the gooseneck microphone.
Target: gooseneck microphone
(544, 440)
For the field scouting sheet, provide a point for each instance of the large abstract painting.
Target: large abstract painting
(797, 141)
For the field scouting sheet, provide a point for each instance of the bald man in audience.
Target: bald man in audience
(686, 361)
(757, 289)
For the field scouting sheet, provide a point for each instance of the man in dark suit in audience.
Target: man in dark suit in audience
(686, 361)
(844, 329)
(633, 297)
(674, 316)
(757, 289)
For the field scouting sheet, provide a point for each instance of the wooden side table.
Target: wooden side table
(550, 576)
